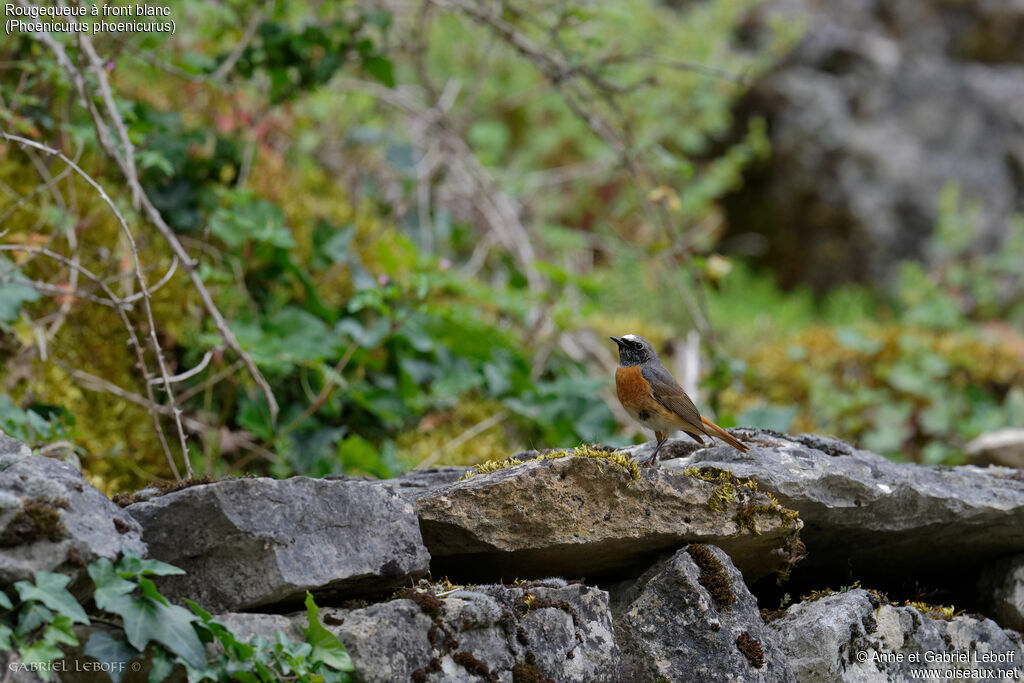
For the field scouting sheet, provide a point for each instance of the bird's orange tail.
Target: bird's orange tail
(725, 436)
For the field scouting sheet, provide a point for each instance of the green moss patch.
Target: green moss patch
(942, 612)
(730, 488)
(600, 453)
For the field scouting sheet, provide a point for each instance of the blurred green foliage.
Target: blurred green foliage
(919, 371)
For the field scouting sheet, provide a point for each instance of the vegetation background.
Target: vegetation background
(357, 238)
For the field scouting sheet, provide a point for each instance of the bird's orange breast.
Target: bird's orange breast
(633, 390)
(634, 394)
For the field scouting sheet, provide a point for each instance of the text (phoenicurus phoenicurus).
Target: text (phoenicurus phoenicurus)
(652, 397)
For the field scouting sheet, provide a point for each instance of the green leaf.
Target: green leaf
(14, 291)
(244, 218)
(112, 652)
(162, 667)
(41, 652)
(5, 637)
(49, 590)
(358, 455)
(337, 248)
(60, 631)
(130, 565)
(380, 68)
(205, 616)
(110, 587)
(147, 620)
(5, 602)
(32, 616)
(149, 158)
(150, 591)
(327, 649)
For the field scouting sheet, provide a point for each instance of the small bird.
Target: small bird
(652, 397)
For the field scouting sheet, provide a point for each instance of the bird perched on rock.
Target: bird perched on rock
(652, 397)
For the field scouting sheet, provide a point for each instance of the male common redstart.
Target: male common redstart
(652, 397)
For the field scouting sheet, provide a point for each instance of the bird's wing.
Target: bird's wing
(668, 393)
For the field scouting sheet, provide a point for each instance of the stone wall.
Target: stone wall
(579, 566)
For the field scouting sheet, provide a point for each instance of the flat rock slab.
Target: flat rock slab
(868, 515)
(852, 637)
(248, 543)
(414, 485)
(543, 631)
(691, 618)
(52, 519)
(584, 516)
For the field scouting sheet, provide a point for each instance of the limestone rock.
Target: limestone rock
(865, 515)
(872, 114)
(546, 630)
(418, 483)
(583, 516)
(852, 637)
(52, 519)
(690, 617)
(1001, 592)
(248, 543)
(1001, 447)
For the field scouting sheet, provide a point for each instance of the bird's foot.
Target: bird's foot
(652, 459)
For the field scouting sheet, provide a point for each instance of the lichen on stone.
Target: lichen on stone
(729, 488)
(599, 453)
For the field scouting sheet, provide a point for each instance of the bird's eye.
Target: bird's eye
(636, 345)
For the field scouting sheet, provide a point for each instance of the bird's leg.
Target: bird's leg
(662, 438)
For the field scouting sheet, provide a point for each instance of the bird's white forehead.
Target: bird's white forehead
(630, 337)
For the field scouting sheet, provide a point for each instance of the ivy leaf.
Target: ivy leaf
(14, 291)
(60, 631)
(130, 565)
(215, 629)
(32, 616)
(5, 637)
(150, 591)
(162, 667)
(110, 587)
(5, 602)
(147, 620)
(338, 246)
(108, 650)
(41, 652)
(49, 590)
(327, 649)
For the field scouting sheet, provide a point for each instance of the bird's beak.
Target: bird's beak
(617, 340)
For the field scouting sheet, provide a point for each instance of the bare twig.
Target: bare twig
(139, 196)
(181, 377)
(132, 337)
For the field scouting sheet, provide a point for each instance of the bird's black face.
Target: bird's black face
(634, 350)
